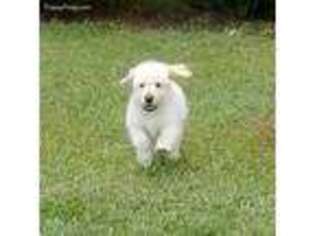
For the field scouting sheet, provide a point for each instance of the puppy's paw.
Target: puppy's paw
(145, 160)
(162, 149)
(145, 163)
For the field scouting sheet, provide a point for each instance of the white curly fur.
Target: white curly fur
(156, 125)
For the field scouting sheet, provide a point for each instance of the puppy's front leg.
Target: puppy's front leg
(169, 140)
(143, 146)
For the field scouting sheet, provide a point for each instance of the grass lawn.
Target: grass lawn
(90, 181)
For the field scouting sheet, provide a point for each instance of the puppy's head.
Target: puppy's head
(151, 82)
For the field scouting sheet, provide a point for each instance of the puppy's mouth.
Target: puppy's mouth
(149, 107)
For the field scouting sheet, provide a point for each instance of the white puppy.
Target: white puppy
(157, 109)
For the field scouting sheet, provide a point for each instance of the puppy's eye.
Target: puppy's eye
(158, 85)
(141, 85)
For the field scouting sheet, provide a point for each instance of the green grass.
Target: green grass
(90, 181)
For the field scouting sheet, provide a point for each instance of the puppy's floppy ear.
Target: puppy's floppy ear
(128, 77)
(180, 70)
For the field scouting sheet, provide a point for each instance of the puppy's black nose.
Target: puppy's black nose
(148, 98)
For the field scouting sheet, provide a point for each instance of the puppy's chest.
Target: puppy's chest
(153, 126)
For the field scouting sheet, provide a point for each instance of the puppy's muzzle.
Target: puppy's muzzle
(149, 106)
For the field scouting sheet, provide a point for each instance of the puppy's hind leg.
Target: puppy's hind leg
(143, 146)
